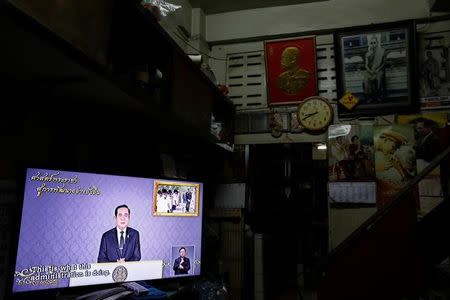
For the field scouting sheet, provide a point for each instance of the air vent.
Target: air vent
(326, 74)
(246, 80)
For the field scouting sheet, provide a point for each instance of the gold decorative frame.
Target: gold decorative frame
(180, 208)
(291, 70)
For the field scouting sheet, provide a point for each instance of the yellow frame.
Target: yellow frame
(160, 183)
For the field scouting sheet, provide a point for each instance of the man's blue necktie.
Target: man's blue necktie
(121, 242)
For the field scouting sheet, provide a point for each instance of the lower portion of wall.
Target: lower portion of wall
(344, 221)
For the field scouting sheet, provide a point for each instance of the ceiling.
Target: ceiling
(441, 6)
(220, 6)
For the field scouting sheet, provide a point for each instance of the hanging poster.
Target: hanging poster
(429, 131)
(395, 160)
(350, 153)
(434, 68)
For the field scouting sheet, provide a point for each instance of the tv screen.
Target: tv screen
(83, 229)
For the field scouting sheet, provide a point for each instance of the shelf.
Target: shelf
(104, 96)
(192, 97)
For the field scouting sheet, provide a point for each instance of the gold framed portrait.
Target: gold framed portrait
(291, 70)
(176, 199)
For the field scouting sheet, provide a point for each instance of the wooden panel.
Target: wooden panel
(231, 226)
(192, 97)
(382, 262)
(85, 24)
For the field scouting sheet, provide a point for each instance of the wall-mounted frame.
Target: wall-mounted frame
(434, 67)
(175, 199)
(375, 63)
(291, 70)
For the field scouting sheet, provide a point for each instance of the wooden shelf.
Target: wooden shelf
(179, 106)
(62, 109)
(190, 95)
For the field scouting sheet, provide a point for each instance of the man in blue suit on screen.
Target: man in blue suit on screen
(121, 243)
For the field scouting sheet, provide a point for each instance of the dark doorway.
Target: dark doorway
(289, 206)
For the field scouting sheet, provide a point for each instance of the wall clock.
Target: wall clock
(315, 113)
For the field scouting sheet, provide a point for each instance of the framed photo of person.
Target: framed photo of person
(291, 70)
(434, 68)
(183, 260)
(375, 64)
(175, 199)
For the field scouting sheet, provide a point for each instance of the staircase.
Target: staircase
(392, 254)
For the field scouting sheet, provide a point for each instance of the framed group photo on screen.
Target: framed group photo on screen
(177, 199)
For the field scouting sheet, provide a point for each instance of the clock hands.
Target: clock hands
(315, 113)
(309, 115)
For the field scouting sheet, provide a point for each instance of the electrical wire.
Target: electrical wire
(202, 53)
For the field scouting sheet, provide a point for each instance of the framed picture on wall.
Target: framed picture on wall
(434, 68)
(291, 70)
(375, 64)
(350, 153)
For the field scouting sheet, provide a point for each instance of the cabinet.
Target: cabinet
(81, 88)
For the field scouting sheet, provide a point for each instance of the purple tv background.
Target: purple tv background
(59, 229)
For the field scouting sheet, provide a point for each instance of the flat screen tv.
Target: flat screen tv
(81, 229)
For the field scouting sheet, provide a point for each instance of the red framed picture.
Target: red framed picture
(291, 70)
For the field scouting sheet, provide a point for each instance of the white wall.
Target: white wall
(198, 34)
(310, 17)
(221, 51)
(342, 222)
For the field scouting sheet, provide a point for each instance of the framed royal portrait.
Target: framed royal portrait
(291, 70)
(175, 199)
(375, 64)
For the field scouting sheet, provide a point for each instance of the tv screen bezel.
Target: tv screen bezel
(84, 289)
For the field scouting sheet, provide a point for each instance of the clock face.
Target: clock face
(315, 113)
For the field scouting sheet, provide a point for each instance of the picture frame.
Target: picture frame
(376, 63)
(433, 56)
(295, 124)
(171, 199)
(291, 70)
(394, 142)
(351, 153)
(190, 254)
